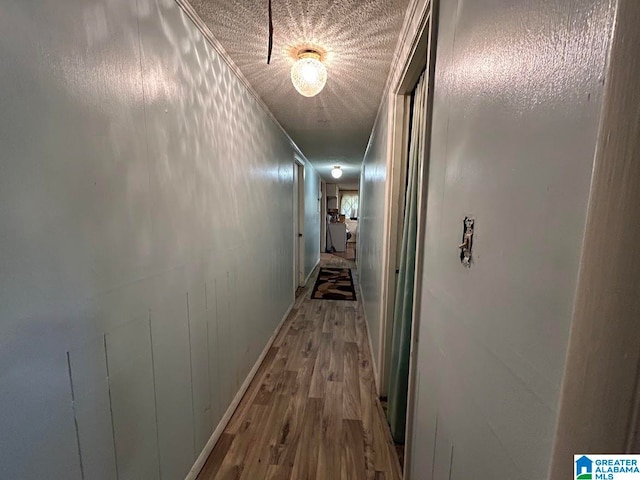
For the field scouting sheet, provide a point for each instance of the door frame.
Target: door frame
(298, 223)
(421, 57)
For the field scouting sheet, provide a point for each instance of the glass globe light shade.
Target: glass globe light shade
(336, 172)
(308, 74)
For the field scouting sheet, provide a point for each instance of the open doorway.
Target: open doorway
(342, 220)
(298, 224)
(410, 134)
(349, 204)
(413, 175)
(323, 216)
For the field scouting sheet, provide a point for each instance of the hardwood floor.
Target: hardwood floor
(349, 253)
(311, 411)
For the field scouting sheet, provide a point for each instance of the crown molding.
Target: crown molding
(217, 46)
(415, 20)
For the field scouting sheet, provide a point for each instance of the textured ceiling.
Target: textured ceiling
(357, 39)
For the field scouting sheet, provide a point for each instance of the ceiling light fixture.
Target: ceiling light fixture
(308, 74)
(336, 172)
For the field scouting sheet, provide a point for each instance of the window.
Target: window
(349, 204)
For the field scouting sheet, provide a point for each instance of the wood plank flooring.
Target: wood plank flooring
(311, 411)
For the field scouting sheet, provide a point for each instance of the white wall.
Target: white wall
(517, 102)
(371, 224)
(138, 239)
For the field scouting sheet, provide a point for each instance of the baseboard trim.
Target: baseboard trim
(374, 363)
(376, 375)
(206, 451)
(312, 270)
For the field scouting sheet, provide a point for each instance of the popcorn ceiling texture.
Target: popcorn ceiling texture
(357, 38)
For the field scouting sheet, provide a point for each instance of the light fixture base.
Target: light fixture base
(308, 53)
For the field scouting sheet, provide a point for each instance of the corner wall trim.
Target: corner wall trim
(206, 451)
(602, 364)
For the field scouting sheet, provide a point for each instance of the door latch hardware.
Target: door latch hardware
(467, 241)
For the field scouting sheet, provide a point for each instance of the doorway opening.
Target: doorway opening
(410, 133)
(298, 228)
(413, 166)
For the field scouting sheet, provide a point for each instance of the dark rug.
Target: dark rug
(334, 284)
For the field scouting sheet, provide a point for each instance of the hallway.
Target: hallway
(166, 184)
(311, 411)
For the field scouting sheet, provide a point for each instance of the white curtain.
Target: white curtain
(349, 205)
